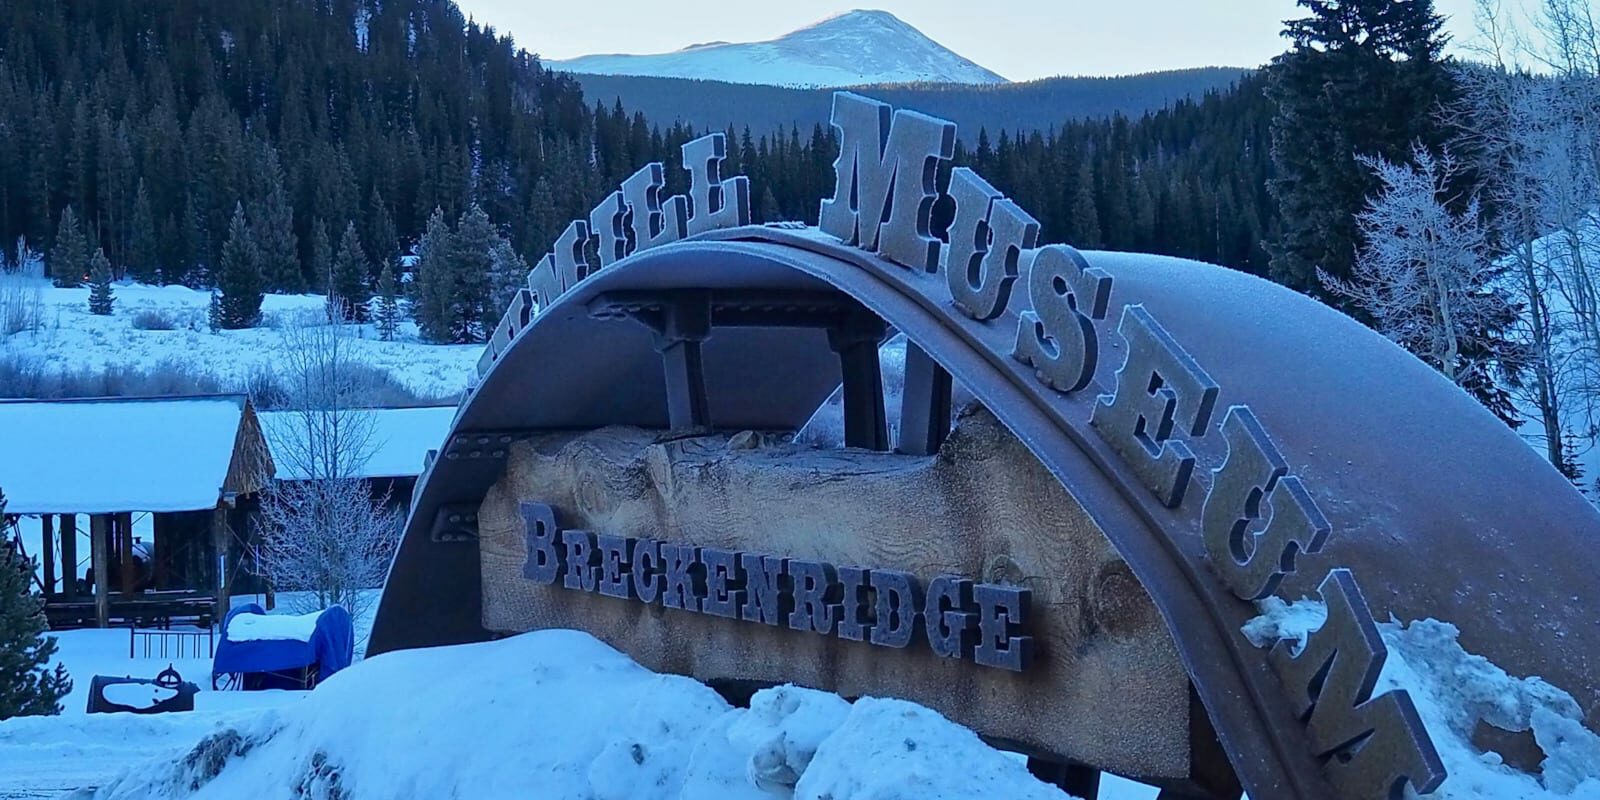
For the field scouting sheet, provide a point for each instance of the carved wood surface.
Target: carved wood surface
(1105, 689)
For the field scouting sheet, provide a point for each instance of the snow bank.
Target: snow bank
(1454, 690)
(558, 714)
(272, 627)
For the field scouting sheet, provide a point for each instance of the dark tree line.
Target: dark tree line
(1190, 180)
(286, 145)
(153, 123)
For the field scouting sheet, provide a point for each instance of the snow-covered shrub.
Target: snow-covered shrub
(22, 298)
(154, 319)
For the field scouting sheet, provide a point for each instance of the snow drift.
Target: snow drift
(558, 714)
(1456, 691)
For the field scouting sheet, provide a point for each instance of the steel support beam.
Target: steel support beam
(856, 340)
(924, 405)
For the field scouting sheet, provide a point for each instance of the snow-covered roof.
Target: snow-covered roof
(113, 455)
(400, 440)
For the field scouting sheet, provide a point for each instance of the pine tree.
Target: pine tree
(28, 687)
(272, 228)
(321, 257)
(508, 273)
(239, 281)
(349, 294)
(214, 311)
(100, 297)
(471, 256)
(387, 314)
(1363, 78)
(1085, 215)
(434, 282)
(382, 242)
(143, 261)
(69, 257)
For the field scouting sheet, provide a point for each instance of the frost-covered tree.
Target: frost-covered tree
(69, 256)
(239, 282)
(1532, 137)
(100, 296)
(28, 687)
(325, 534)
(348, 294)
(1427, 278)
(387, 312)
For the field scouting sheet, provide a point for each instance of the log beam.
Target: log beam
(100, 562)
(69, 557)
(123, 525)
(219, 538)
(48, 545)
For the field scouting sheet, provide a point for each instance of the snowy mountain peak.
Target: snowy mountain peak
(854, 48)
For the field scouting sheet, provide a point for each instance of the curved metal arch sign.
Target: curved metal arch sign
(1208, 511)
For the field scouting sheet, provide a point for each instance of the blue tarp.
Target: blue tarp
(331, 648)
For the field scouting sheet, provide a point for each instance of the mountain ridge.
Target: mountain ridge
(854, 48)
(1023, 106)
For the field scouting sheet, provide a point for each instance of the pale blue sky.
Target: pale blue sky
(1020, 39)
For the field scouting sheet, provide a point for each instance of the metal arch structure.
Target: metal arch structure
(1437, 507)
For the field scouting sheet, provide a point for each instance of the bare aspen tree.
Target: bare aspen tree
(326, 533)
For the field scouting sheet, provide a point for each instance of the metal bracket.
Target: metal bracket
(474, 445)
(454, 522)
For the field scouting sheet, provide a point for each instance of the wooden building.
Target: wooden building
(395, 447)
(100, 475)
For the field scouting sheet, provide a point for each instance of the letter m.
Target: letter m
(885, 179)
(1369, 746)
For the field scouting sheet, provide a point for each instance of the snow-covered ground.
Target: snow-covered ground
(553, 714)
(70, 339)
(45, 756)
(557, 714)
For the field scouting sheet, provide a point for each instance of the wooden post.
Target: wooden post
(100, 562)
(48, 544)
(122, 524)
(69, 557)
(158, 556)
(224, 583)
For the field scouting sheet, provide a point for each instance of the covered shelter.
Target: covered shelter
(192, 466)
(393, 442)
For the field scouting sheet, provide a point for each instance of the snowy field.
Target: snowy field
(71, 339)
